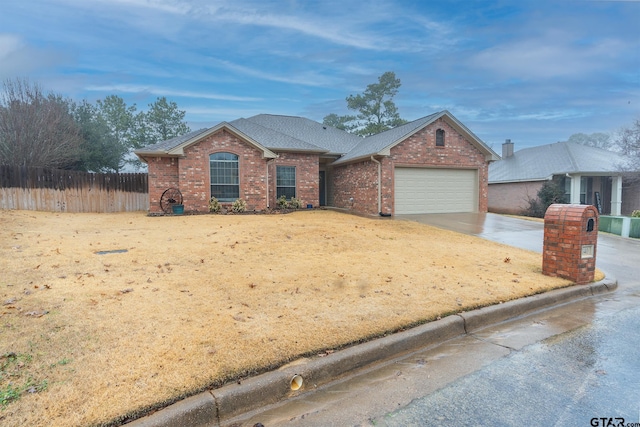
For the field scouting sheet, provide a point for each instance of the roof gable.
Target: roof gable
(174, 147)
(382, 143)
(542, 162)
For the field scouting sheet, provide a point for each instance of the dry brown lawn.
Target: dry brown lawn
(195, 301)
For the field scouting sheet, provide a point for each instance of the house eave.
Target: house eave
(142, 155)
(298, 150)
(514, 181)
(361, 158)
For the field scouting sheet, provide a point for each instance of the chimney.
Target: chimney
(507, 149)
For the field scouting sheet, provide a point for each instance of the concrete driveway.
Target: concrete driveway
(617, 256)
(526, 234)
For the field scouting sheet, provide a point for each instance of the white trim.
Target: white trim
(616, 195)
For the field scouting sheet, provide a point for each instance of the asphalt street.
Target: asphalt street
(561, 367)
(589, 373)
(585, 376)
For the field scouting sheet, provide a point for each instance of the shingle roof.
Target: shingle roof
(334, 141)
(542, 162)
(289, 133)
(272, 139)
(171, 143)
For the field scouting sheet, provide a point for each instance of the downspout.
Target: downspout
(268, 186)
(379, 185)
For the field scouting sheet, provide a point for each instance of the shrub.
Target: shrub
(282, 202)
(295, 203)
(239, 206)
(549, 193)
(635, 214)
(214, 205)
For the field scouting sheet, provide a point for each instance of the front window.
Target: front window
(286, 181)
(225, 184)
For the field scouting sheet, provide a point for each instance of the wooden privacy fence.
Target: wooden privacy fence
(57, 190)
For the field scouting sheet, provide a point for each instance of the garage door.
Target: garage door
(419, 190)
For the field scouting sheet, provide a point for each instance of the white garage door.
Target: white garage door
(421, 190)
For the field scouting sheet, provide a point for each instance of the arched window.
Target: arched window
(225, 182)
(439, 138)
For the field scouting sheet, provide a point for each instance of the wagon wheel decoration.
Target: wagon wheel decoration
(170, 197)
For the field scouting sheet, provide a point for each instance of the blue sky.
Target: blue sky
(534, 71)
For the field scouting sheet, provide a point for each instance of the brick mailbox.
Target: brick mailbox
(570, 240)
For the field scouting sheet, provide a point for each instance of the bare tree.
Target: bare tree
(597, 139)
(36, 129)
(629, 143)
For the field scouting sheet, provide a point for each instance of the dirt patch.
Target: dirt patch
(104, 315)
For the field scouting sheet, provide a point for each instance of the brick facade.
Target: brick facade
(512, 198)
(307, 176)
(195, 180)
(191, 174)
(355, 186)
(163, 174)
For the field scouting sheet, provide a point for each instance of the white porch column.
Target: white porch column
(616, 195)
(575, 189)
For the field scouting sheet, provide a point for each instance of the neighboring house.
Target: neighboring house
(589, 175)
(433, 164)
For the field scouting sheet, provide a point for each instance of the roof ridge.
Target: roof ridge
(278, 115)
(572, 158)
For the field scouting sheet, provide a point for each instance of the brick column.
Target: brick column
(570, 240)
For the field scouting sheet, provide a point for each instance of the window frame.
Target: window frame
(228, 175)
(440, 138)
(283, 188)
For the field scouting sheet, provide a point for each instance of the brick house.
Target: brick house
(589, 176)
(433, 164)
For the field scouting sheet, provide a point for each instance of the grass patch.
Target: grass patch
(15, 378)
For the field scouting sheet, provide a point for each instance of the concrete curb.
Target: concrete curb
(220, 406)
(491, 315)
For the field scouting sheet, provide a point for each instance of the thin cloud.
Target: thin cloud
(307, 79)
(18, 58)
(316, 27)
(167, 6)
(9, 43)
(126, 88)
(555, 55)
